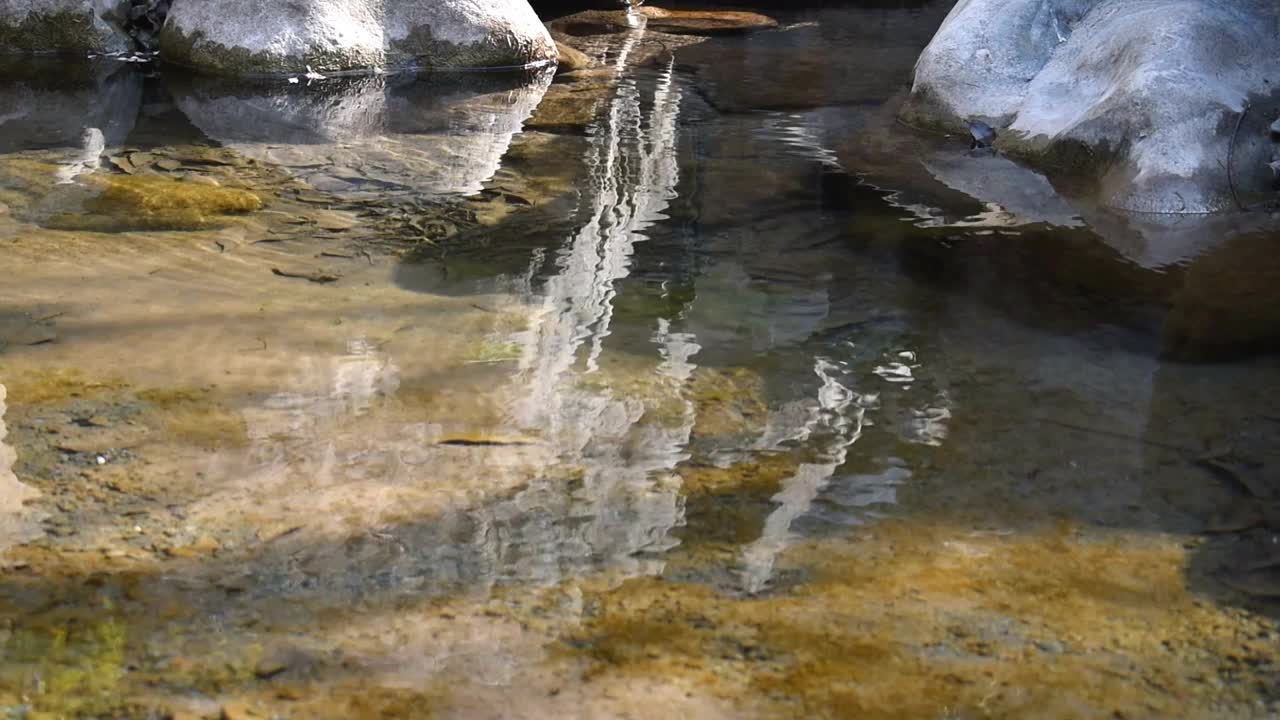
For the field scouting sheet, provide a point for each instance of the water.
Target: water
(705, 388)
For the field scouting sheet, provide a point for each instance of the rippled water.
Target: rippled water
(696, 385)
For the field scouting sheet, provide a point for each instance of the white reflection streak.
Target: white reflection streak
(627, 493)
(577, 303)
(840, 413)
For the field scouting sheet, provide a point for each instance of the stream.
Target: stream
(693, 385)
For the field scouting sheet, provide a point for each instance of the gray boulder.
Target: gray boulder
(62, 26)
(250, 37)
(1146, 98)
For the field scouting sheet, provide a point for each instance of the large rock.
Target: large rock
(1143, 96)
(249, 37)
(62, 26)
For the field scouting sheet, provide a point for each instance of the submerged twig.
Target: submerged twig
(316, 277)
(1231, 153)
(1116, 435)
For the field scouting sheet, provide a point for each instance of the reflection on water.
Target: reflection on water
(49, 103)
(389, 134)
(756, 385)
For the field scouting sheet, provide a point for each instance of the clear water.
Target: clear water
(734, 399)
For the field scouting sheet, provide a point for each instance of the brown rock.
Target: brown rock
(675, 22)
(568, 108)
(205, 545)
(704, 22)
(239, 710)
(571, 59)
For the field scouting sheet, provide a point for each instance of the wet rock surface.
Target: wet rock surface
(1164, 105)
(71, 26)
(231, 37)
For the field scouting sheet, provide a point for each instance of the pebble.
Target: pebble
(238, 710)
(269, 667)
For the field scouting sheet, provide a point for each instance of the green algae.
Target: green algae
(729, 505)
(148, 203)
(194, 416)
(488, 350)
(915, 620)
(69, 670)
(47, 386)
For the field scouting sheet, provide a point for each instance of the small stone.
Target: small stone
(270, 667)
(141, 159)
(205, 544)
(274, 532)
(238, 710)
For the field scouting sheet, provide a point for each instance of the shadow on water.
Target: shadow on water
(751, 327)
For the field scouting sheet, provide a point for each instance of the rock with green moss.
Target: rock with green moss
(73, 26)
(247, 38)
(123, 203)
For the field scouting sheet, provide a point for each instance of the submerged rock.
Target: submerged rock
(123, 203)
(62, 26)
(1164, 103)
(241, 37)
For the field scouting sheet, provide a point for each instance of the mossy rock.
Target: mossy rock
(137, 202)
(45, 26)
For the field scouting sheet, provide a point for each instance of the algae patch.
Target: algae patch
(194, 417)
(46, 386)
(75, 669)
(141, 202)
(729, 505)
(912, 620)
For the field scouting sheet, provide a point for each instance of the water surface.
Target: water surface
(697, 386)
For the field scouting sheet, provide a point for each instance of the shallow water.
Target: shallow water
(694, 386)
